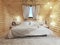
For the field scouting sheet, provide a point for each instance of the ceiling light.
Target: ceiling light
(52, 16)
(53, 23)
(48, 5)
(18, 19)
(40, 18)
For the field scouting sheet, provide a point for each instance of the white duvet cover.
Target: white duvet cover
(26, 30)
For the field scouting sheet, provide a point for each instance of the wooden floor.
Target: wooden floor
(49, 40)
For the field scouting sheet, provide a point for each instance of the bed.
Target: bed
(29, 30)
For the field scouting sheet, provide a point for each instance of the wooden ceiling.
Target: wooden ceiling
(15, 6)
(27, 1)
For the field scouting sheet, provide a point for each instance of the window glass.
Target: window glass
(30, 12)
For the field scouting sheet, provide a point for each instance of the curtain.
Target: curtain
(34, 12)
(37, 11)
(25, 11)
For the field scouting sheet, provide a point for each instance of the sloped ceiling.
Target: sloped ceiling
(15, 6)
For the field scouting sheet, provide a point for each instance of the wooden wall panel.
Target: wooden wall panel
(1, 19)
(56, 13)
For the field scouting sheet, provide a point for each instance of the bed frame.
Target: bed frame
(27, 36)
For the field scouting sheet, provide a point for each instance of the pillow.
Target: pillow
(25, 23)
(29, 23)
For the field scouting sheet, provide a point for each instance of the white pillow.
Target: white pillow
(26, 23)
(30, 23)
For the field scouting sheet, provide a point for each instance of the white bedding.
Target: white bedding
(23, 29)
(29, 31)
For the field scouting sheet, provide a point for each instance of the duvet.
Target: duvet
(23, 30)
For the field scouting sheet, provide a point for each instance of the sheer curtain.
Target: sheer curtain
(26, 11)
(38, 9)
(34, 12)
